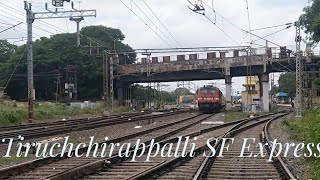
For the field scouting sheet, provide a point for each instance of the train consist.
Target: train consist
(210, 99)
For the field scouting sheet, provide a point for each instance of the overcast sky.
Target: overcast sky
(188, 28)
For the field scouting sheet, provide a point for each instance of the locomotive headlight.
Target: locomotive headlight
(216, 98)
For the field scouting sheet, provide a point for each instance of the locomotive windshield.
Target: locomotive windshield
(208, 90)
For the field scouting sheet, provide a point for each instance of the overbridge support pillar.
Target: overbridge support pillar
(228, 81)
(264, 80)
(124, 93)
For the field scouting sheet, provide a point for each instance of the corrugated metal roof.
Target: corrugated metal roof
(282, 94)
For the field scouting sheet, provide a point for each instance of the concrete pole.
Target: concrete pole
(77, 20)
(228, 92)
(78, 33)
(265, 92)
(30, 19)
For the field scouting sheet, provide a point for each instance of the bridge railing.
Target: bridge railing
(272, 53)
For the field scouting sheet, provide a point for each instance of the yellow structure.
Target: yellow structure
(251, 95)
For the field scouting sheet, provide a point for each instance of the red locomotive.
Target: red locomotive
(210, 99)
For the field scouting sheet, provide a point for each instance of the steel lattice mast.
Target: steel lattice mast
(31, 17)
(298, 100)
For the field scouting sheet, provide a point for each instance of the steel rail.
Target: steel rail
(100, 164)
(25, 126)
(74, 126)
(284, 167)
(85, 169)
(233, 131)
(24, 167)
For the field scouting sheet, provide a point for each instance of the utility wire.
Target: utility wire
(39, 21)
(273, 33)
(214, 23)
(19, 28)
(239, 27)
(46, 24)
(5, 23)
(249, 22)
(222, 30)
(10, 27)
(15, 68)
(35, 26)
(145, 23)
(161, 23)
(269, 27)
(153, 23)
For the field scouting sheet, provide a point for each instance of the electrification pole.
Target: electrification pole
(298, 100)
(106, 90)
(31, 17)
(77, 20)
(148, 75)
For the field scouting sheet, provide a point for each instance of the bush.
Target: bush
(13, 114)
(308, 131)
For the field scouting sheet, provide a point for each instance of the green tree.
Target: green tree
(111, 38)
(6, 50)
(142, 93)
(287, 83)
(52, 55)
(311, 20)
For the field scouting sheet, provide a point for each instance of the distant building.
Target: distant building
(251, 94)
(236, 99)
(282, 98)
(187, 99)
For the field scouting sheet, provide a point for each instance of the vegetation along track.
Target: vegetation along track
(51, 166)
(60, 127)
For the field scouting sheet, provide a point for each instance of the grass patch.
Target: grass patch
(121, 109)
(307, 130)
(14, 113)
(7, 161)
(233, 116)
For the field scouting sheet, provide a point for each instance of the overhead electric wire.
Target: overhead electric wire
(237, 26)
(39, 21)
(269, 27)
(161, 23)
(15, 68)
(10, 27)
(216, 25)
(20, 28)
(222, 30)
(13, 38)
(34, 26)
(153, 23)
(5, 23)
(249, 22)
(273, 33)
(145, 23)
(46, 24)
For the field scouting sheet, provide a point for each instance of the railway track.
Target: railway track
(42, 124)
(231, 166)
(52, 166)
(120, 168)
(59, 127)
(199, 167)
